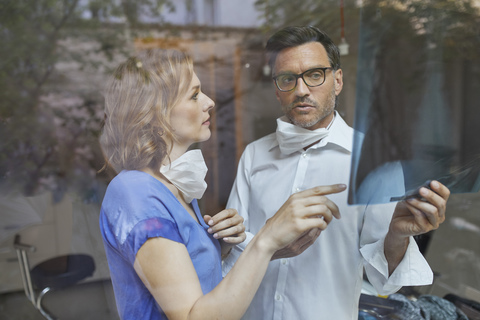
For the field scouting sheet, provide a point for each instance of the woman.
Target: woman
(164, 258)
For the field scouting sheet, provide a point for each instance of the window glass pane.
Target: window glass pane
(418, 82)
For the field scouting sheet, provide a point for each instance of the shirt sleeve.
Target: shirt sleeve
(150, 228)
(412, 270)
(239, 200)
(141, 216)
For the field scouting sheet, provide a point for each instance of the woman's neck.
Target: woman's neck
(176, 152)
(173, 189)
(160, 177)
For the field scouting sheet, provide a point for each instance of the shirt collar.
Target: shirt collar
(340, 134)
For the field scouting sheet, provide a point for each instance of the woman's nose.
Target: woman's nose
(209, 103)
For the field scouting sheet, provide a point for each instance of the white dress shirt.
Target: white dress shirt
(325, 281)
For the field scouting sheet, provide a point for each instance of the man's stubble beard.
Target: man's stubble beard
(327, 109)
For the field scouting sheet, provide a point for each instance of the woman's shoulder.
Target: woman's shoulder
(137, 192)
(134, 182)
(133, 178)
(134, 198)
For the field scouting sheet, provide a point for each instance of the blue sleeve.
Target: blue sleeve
(139, 207)
(151, 228)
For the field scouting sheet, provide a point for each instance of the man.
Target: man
(312, 146)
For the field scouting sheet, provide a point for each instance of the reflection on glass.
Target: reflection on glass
(417, 92)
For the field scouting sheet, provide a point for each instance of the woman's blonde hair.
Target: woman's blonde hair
(139, 97)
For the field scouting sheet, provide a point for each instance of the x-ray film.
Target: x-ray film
(417, 114)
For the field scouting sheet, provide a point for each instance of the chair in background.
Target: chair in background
(52, 274)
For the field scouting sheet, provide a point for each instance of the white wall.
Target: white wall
(238, 13)
(228, 13)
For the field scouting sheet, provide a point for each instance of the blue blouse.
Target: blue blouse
(137, 207)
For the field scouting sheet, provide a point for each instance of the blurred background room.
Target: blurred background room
(401, 60)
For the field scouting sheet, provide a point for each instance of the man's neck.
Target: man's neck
(327, 127)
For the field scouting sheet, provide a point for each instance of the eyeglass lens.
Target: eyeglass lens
(312, 78)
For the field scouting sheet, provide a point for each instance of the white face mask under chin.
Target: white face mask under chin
(292, 138)
(188, 173)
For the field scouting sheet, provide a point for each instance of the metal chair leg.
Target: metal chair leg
(27, 280)
(25, 267)
(40, 307)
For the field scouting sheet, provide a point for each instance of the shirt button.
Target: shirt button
(297, 189)
(284, 261)
(278, 297)
(304, 155)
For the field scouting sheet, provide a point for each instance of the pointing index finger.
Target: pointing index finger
(325, 190)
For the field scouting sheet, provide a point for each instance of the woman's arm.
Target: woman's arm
(167, 271)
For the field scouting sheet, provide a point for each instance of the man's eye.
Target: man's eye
(316, 75)
(287, 79)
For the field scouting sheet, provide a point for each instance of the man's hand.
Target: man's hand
(312, 204)
(417, 216)
(413, 217)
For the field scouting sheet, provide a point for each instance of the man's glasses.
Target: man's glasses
(312, 78)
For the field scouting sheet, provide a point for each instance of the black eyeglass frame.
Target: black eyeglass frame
(297, 76)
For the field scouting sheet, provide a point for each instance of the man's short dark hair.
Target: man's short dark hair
(295, 36)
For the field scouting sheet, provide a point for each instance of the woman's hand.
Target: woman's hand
(304, 212)
(226, 225)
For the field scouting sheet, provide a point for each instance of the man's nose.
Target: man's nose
(302, 89)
